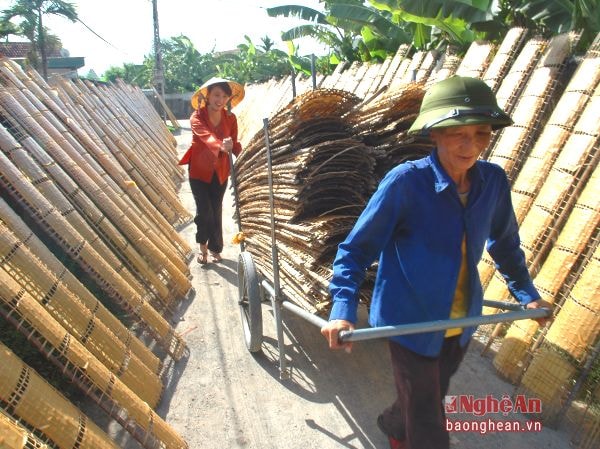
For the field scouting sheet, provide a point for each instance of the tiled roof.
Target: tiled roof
(20, 50)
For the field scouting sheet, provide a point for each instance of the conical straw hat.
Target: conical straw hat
(237, 92)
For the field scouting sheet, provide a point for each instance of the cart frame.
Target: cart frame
(252, 292)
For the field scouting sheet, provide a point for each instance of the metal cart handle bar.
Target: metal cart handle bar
(517, 312)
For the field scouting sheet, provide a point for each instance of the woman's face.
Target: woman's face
(459, 147)
(217, 99)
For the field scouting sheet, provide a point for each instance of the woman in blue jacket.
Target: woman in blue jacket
(428, 223)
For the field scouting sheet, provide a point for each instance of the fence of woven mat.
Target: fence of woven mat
(567, 177)
(29, 272)
(555, 279)
(30, 318)
(146, 117)
(551, 141)
(555, 201)
(94, 170)
(554, 366)
(527, 94)
(98, 157)
(14, 436)
(73, 115)
(54, 196)
(533, 103)
(134, 98)
(52, 217)
(166, 260)
(125, 150)
(114, 227)
(16, 226)
(102, 106)
(27, 396)
(153, 156)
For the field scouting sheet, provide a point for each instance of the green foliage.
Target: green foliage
(373, 29)
(134, 74)
(185, 68)
(253, 64)
(552, 17)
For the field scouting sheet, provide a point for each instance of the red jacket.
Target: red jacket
(204, 156)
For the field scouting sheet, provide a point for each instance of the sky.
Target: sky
(127, 26)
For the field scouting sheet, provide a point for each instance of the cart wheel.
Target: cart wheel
(250, 302)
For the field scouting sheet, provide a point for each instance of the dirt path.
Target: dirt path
(223, 397)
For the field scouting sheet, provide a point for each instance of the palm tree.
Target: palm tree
(32, 13)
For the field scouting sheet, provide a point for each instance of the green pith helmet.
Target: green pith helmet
(456, 101)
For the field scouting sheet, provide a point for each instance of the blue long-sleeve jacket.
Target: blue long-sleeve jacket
(415, 224)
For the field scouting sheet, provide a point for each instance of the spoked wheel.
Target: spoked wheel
(249, 302)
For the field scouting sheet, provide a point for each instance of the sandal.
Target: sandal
(203, 255)
(215, 257)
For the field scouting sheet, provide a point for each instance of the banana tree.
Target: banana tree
(434, 23)
(319, 26)
(560, 16)
(380, 35)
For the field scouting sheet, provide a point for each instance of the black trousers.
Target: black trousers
(417, 416)
(209, 212)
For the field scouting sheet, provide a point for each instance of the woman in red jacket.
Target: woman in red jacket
(214, 129)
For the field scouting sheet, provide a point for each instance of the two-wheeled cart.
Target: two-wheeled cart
(254, 289)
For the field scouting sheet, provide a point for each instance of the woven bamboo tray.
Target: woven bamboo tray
(515, 79)
(123, 153)
(15, 436)
(32, 318)
(125, 336)
(577, 326)
(13, 74)
(96, 221)
(477, 59)
(504, 57)
(66, 309)
(101, 182)
(34, 401)
(82, 251)
(548, 378)
(552, 280)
